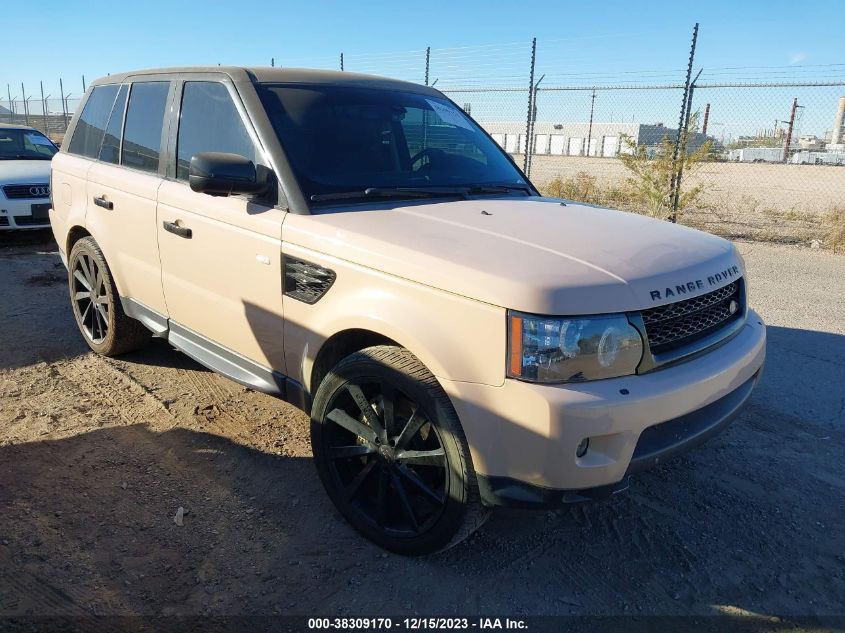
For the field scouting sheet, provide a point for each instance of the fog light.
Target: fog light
(582, 447)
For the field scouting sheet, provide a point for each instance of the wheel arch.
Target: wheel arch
(78, 232)
(340, 345)
(74, 234)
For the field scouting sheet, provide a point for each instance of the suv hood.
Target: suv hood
(530, 254)
(24, 172)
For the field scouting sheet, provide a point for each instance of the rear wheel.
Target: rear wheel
(392, 455)
(96, 304)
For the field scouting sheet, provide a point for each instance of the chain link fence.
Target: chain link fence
(744, 152)
(740, 179)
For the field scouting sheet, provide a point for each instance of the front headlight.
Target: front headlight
(559, 349)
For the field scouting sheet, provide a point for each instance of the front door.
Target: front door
(220, 256)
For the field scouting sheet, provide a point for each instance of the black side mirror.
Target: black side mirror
(223, 174)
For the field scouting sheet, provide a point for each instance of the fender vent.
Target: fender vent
(305, 281)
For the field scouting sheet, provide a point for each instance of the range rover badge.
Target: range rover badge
(733, 306)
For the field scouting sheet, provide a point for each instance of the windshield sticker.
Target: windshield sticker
(449, 114)
(37, 139)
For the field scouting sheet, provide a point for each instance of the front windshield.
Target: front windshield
(347, 139)
(17, 144)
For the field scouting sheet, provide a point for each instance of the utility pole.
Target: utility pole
(530, 104)
(11, 107)
(790, 129)
(341, 62)
(590, 129)
(706, 119)
(272, 62)
(427, 61)
(84, 87)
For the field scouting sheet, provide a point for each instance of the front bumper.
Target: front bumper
(523, 437)
(17, 214)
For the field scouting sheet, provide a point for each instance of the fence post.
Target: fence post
(62, 99)
(676, 196)
(44, 109)
(673, 188)
(590, 128)
(25, 105)
(532, 139)
(530, 104)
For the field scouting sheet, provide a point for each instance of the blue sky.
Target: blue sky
(474, 42)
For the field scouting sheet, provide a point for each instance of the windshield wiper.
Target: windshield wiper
(419, 192)
(392, 192)
(481, 189)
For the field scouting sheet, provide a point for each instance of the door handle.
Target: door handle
(181, 231)
(101, 201)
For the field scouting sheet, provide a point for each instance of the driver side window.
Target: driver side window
(210, 122)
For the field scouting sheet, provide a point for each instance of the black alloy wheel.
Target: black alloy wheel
(91, 303)
(391, 453)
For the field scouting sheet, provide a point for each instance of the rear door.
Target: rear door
(122, 190)
(69, 168)
(223, 282)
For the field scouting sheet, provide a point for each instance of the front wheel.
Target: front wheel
(391, 453)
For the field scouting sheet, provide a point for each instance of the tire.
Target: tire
(103, 323)
(405, 481)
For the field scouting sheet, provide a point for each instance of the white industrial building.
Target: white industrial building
(571, 139)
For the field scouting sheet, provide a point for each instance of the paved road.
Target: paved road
(96, 455)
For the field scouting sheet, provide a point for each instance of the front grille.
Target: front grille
(31, 191)
(677, 324)
(4, 221)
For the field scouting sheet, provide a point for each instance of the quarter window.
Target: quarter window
(88, 135)
(110, 152)
(142, 130)
(209, 122)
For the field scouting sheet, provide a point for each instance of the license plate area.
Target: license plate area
(41, 212)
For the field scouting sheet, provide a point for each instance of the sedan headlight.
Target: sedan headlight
(559, 349)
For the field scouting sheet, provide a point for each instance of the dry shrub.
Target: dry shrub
(585, 188)
(833, 225)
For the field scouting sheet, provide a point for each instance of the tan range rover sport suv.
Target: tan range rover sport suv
(360, 247)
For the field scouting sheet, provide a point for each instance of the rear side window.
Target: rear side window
(88, 135)
(209, 122)
(144, 119)
(110, 152)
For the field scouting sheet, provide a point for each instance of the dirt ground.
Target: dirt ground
(97, 455)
